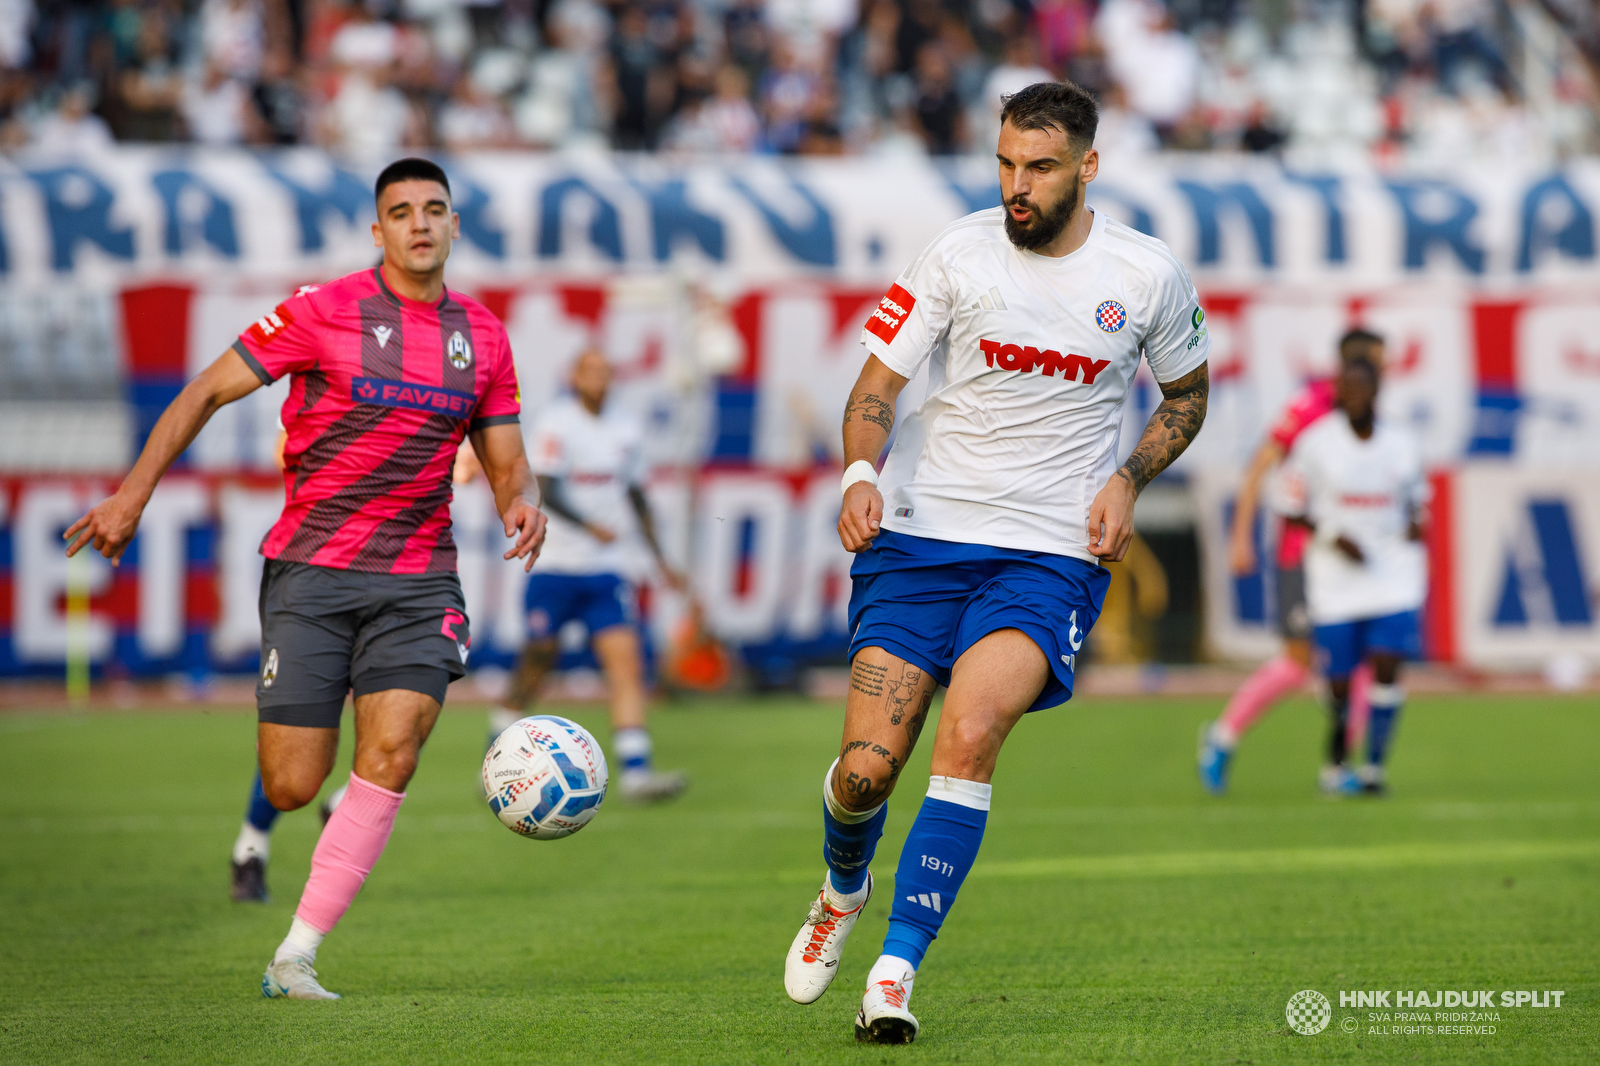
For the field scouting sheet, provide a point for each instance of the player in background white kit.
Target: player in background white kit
(1366, 570)
(979, 549)
(590, 463)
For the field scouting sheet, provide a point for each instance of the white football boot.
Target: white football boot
(813, 959)
(293, 979)
(883, 1018)
(652, 786)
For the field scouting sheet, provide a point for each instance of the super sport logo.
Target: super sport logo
(890, 314)
(270, 325)
(1025, 359)
(387, 393)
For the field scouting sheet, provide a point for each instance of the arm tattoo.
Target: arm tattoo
(870, 407)
(553, 496)
(1172, 426)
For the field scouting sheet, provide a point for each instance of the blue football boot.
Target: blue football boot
(1213, 762)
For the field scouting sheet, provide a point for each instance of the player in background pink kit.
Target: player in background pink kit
(1289, 672)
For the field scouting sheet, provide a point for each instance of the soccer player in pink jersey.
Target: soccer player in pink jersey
(389, 372)
(1290, 671)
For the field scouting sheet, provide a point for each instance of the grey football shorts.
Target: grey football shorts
(1294, 616)
(327, 632)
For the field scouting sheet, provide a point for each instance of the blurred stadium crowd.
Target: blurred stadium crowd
(1423, 81)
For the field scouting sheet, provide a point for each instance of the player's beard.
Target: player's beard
(1044, 226)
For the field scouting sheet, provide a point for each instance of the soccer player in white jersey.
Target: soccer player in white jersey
(979, 548)
(589, 459)
(1366, 570)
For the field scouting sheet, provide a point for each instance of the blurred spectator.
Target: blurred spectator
(152, 85)
(788, 95)
(564, 98)
(473, 119)
(1062, 29)
(1018, 69)
(938, 108)
(215, 106)
(71, 129)
(233, 36)
(1121, 133)
(643, 79)
(1156, 66)
(724, 123)
(16, 25)
(1460, 30)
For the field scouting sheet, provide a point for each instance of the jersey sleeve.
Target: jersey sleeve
(1295, 418)
(905, 327)
(1177, 341)
(548, 455)
(501, 402)
(284, 340)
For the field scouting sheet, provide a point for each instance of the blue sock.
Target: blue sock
(1385, 702)
(260, 813)
(849, 838)
(633, 748)
(940, 849)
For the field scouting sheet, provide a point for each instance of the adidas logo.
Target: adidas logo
(927, 899)
(990, 301)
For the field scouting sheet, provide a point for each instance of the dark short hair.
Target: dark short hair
(412, 169)
(1058, 104)
(1362, 345)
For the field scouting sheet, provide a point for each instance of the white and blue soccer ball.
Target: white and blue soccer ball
(545, 777)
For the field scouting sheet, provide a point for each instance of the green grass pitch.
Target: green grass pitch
(1116, 914)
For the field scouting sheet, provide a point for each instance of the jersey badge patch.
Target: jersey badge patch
(890, 314)
(1110, 316)
(270, 325)
(383, 333)
(459, 351)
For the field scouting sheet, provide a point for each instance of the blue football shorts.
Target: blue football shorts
(928, 601)
(599, 601)
(1344, 645)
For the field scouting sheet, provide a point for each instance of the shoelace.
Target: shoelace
(303, 966)
(824, 921)
(894, 994)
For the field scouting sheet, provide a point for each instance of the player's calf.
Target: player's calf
(850, 838)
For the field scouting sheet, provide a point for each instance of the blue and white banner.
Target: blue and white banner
(148, 212)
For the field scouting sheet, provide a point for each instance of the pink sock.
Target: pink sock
(1256, 696)
(1356, 724)
(349, 847)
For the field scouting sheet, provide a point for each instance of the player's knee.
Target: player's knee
(974, 742)
(290, 791)
(863, 779)
(388, 763)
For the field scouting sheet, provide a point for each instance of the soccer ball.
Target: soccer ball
(545, 777)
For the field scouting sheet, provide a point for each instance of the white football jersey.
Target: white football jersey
(1366, 490)
(1029, 359)
(597, 458)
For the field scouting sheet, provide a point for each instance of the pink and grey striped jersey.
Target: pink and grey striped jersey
(382, 391)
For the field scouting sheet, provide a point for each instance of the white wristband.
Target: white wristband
(860, 470)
